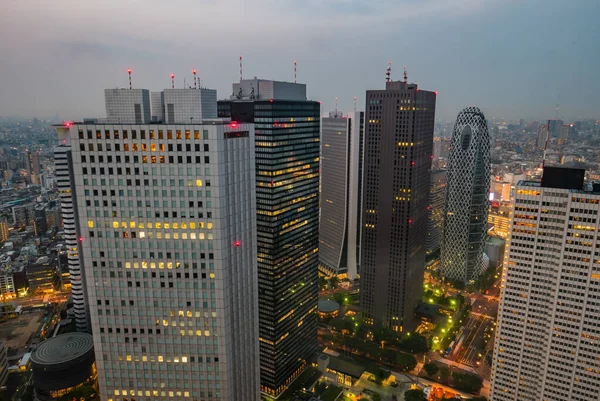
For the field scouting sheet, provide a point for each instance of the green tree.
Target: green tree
(444, 374)
(320, 387)
(467, 382)
(431, 369)
(415, 395)
(322, 282)
(414, 343)
(333, 282)
(341, 297)
(405, 362)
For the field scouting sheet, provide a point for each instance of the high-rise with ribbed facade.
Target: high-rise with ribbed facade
(548, 336)
(399, 123)
(68, 204)
(341, 180)
(287, 206)
(467, 192)
(166, 219)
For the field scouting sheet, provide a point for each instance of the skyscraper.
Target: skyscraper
(341, 170)
(547, 344)
(466, 205)
(166, 221)
(399, 124)
(543, 136)
(437, 194)
(287, 203)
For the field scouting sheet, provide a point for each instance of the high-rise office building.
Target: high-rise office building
(399, 123)
(554, 125)
(287, 205)
(341, 172)
(167, 233)
(543, 136)
(466, 204)
(68, 205)
(3, 229)
(547, 344)
(437, 194)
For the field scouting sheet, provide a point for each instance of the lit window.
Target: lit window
(142, 234)
(160, 358)
(90, 224)
(193, 236)
(209, 225)
(207, 333)
(192, 225)
(198, 183)
(115, 224)
(128, 265)
(132, 224)
(128, 358)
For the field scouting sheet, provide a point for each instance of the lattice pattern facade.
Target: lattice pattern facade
(466, 205)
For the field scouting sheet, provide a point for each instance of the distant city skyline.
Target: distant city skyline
(528, 53)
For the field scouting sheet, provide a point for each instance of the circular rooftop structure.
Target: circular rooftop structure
(62, 349)
(328, 306)
(63, 363)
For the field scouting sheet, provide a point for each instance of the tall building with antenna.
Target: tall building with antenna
(467, 192)
(287, 193)
(398, 146)
(165, 218)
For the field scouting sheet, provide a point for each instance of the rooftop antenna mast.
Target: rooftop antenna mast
(241, 69)
(354, 103)
(195, 82)
(388, 72)
(295, 62)
(129, 72)
(405, 75)
(172, 81)
(336, 106)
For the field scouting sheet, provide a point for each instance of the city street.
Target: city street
(38, 300)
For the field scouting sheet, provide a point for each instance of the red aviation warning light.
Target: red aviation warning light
(233, 124)
(68, 124)
(237, 243)
(80, 239)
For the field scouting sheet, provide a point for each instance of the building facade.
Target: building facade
(167, 223)
(399, 123)
(287, 206)
(547, 336)
(68, 205)
(466, 204)
(437, 194)
(341, 169)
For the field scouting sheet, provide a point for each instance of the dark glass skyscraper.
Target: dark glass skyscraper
(287, 203)
(399, 124)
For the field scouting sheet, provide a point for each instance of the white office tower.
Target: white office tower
(547, 344)
(341, 180)
(167, 220)
(62, 157)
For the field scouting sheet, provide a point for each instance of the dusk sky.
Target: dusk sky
(510, 57)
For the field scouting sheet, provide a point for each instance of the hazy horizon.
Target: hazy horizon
(511, 58)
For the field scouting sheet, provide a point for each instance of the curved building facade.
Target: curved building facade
(62, 364)
(466, 203)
